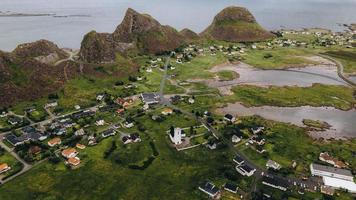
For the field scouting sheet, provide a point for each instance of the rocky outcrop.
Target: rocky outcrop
(236, 24)
(42, 50)
(139, 31)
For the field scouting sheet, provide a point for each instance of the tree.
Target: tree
(171, 130)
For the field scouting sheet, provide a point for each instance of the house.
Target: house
(326, 171)
(51, 103)
(245, 170)
(100, 122)
(209, 189)
(3, 114)
(175, 99)
(79, 132)
(191, 100)
(260, 149)
(275, 183)
(34, 150)
(129, 124)
(73, 161)
(55, 141)
(77, 107)
(149, 70)
(100, 97)
(92, 141)
(14, 120)
(325, 157)
(14, 140)
(150, 98)
(229, 118)
(80, 146)
(126, 140)
(4, 168)
(167, 111)
(124, 102)
(145, 106)
(61, 131)
(258, 140)
(273, 165)
(176, 136)
(82, 114)
(257, 130)
(238, 160)
(327, 190)
(69, 153)
(235, 139)
(231, 187)
(132, 138)
(212, 145)
(108, 133)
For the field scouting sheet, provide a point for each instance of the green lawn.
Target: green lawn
(226, 75)
(15, 165)
(318, 95)
(278, 58)
(347, 58)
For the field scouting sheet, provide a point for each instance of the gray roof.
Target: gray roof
(149, 97)
(331, 169)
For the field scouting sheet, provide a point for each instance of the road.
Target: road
(340, 70)
(259, 171)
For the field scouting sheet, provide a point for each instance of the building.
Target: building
(275, 183)
(51, 103)
(167, 111)
(132, 138)
(325, 157)
(176, 136)
(14, 120)
(69, 153)
(100, 122)
(235, 139)
(229, 118)
(73, 161)
(238, 160)
(108, 133)
(80, 146)
(128, 124)
(150, 98)
(273, 165)
(322, 170)
(209, 189)
(245, 170)
(231, 187)
(337, 183)
(79, 132)
(4, 168)
(55, 141)
(25, 137)
(257, 130)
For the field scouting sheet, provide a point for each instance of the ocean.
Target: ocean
(105, 15)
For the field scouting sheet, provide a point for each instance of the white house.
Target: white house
(336, 183)
(176, 137)
(229, 118)
(129, 124)
(100, 122)
(245, 170)
(273, 165)
(79, 132)
(235, 139)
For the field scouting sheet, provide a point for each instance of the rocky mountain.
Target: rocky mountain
(139, 31)
(236, 24)
(189, 35)
(24, 77)
(42, 50)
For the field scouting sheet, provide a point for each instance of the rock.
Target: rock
(236, 24)
(41, 50)
(136, 31)
(189, 35)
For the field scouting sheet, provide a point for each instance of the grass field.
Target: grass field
(226, 75)
(278, 58)
(347, 58)
(318, 95)
(15, 165)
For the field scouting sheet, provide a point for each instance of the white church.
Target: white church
(176, 136)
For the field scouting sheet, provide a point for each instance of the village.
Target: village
(44, 134)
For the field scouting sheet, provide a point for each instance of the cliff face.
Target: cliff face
(236, 24)
(138, 31)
